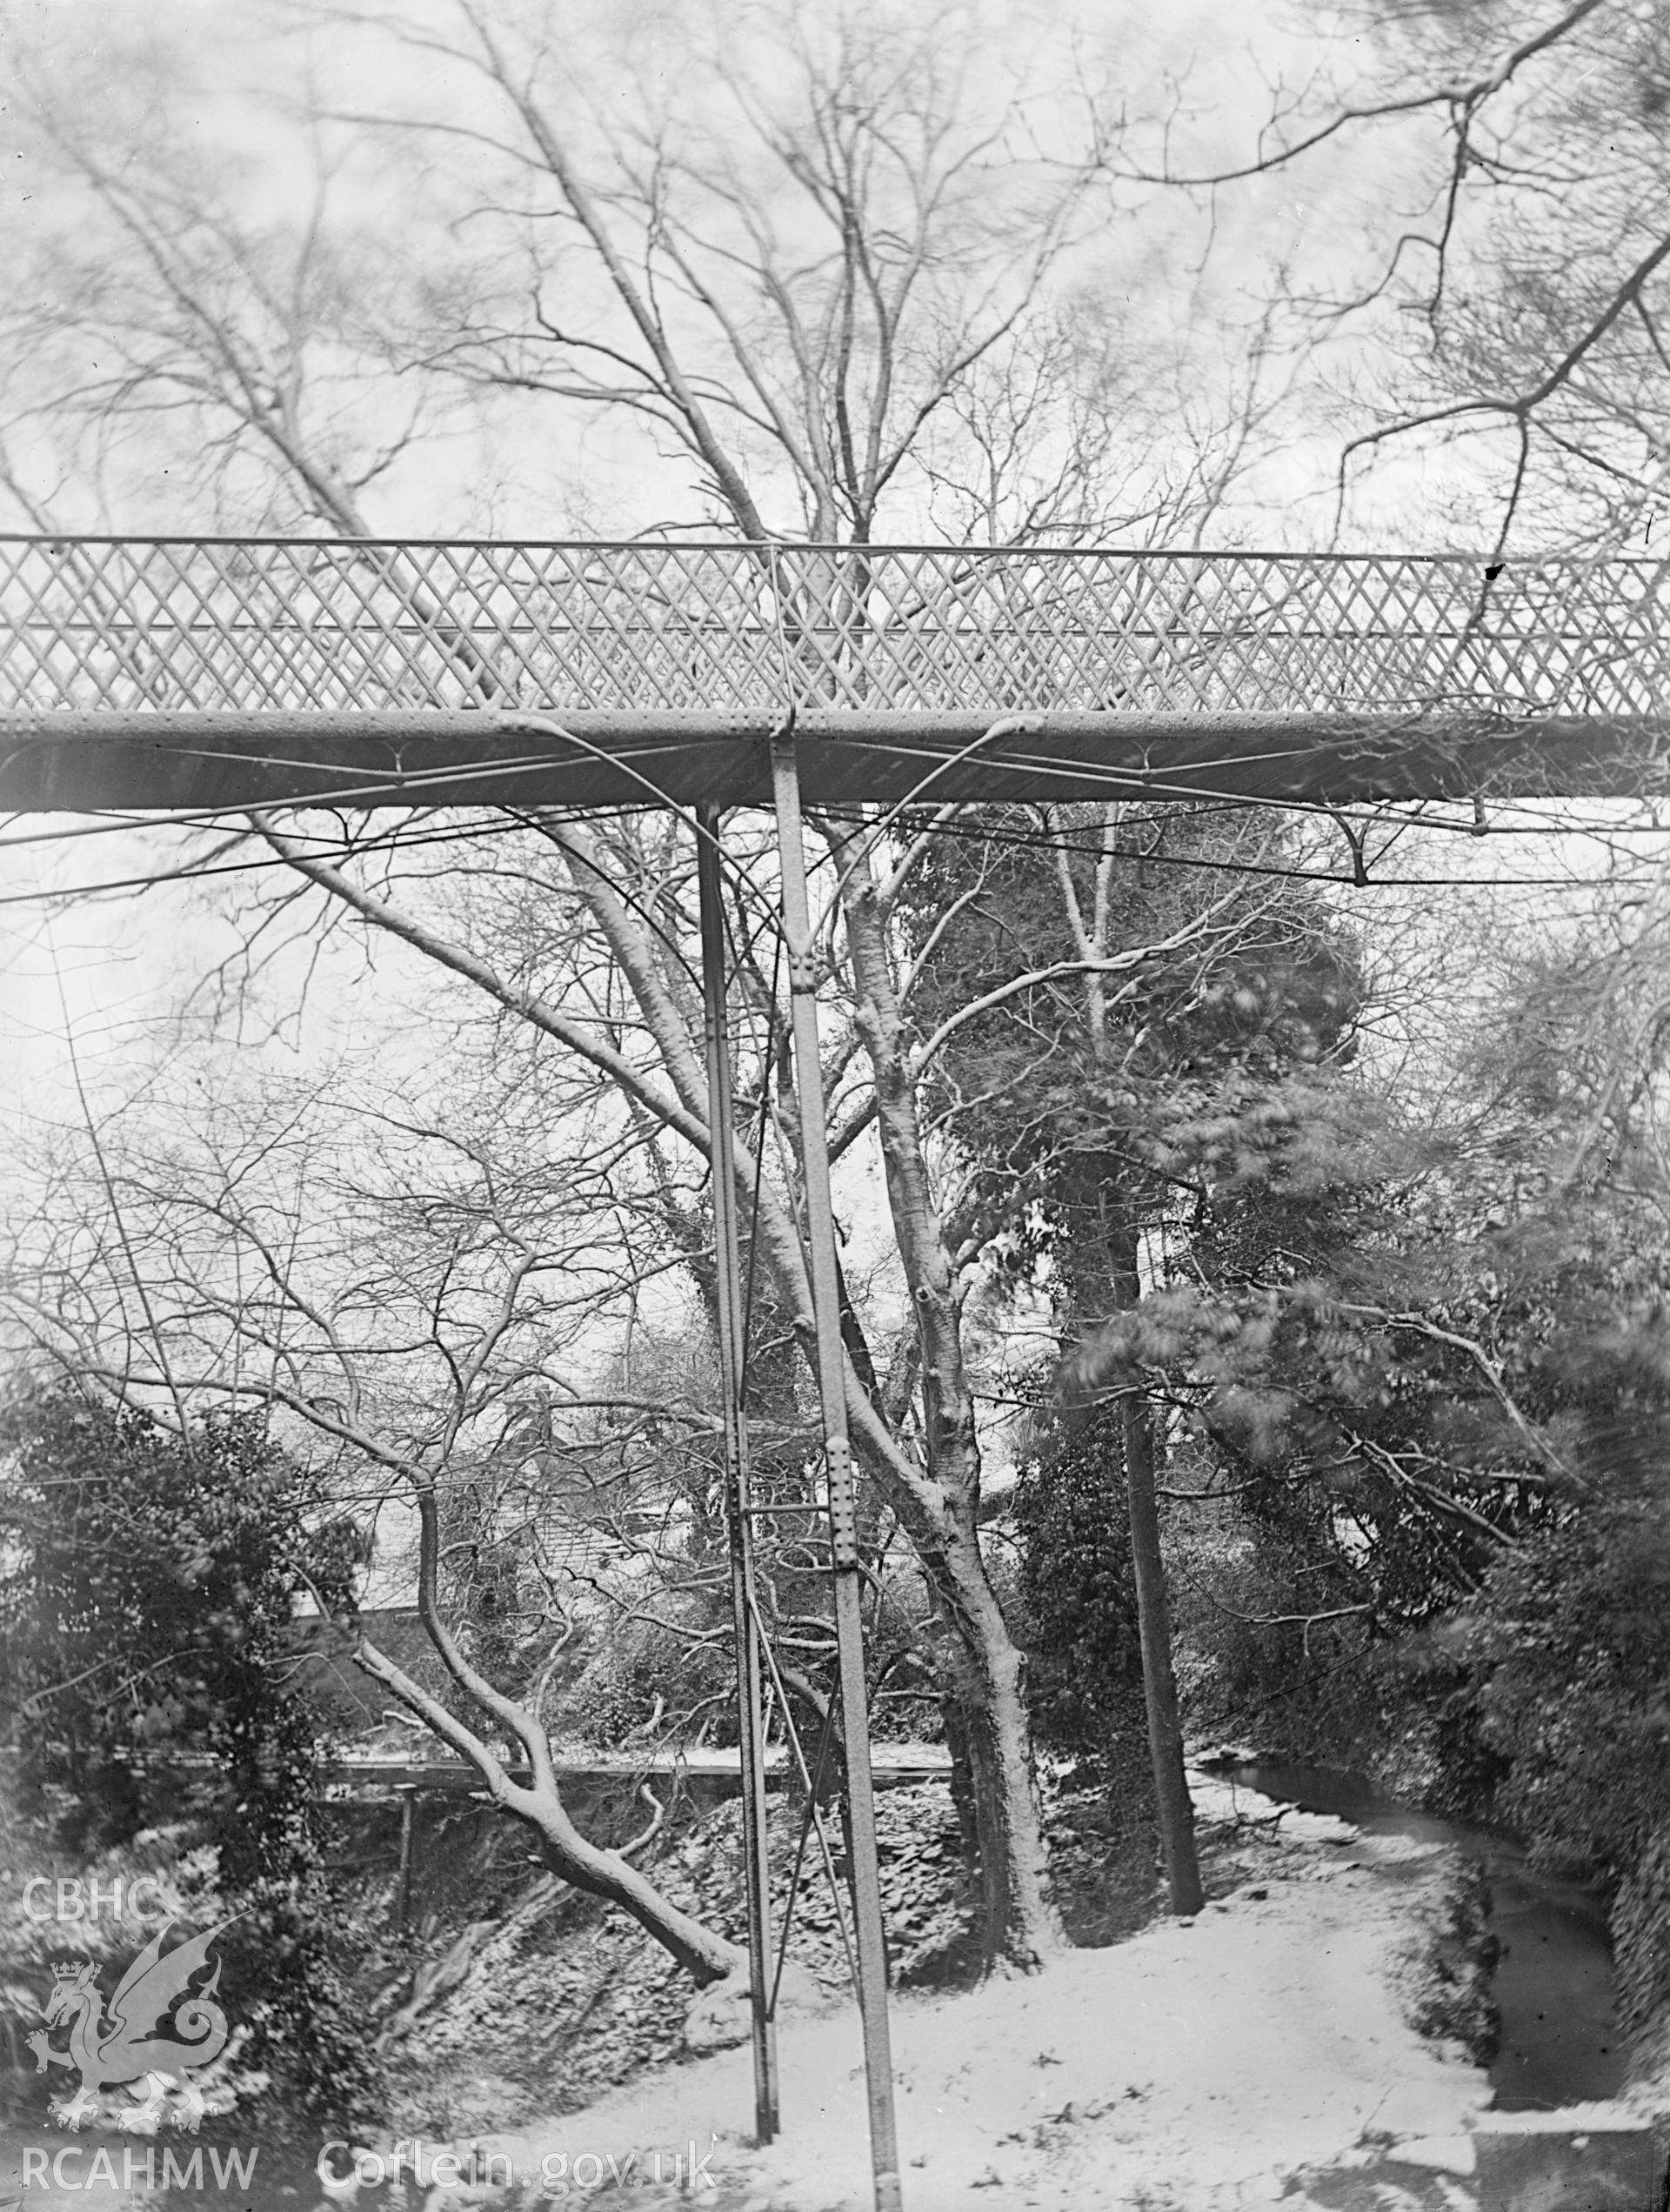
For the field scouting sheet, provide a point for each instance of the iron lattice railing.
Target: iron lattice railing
(241, 626)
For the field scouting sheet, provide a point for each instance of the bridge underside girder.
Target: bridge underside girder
(98, 758)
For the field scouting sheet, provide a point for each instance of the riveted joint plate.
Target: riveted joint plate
(843, 1512)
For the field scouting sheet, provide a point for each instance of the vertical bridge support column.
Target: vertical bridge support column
(402, 1885)
(727, 1250)
(838, 1457)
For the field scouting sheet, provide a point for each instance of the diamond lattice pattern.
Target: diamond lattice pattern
(219, 625)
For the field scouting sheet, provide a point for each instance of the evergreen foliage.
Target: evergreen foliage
(1085, 1666)
(1099, 1120)
(146, 1591)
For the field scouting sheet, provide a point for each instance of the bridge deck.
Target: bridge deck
(892, 1765)
(208, 673)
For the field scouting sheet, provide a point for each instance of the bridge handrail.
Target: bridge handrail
(244, 625)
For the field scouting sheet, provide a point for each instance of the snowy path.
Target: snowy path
(1195, 2067)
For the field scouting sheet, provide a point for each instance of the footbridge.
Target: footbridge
(193, 674)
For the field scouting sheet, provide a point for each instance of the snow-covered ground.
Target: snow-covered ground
(1260, 2056)
(1196, 2066)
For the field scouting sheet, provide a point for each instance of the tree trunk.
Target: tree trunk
(1018, 1924)
(704, 1953)
(539, 1803)
(955, 1722)
(1020, 1927)
(1172, 1806)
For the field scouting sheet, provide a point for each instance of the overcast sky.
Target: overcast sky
(1195, 83)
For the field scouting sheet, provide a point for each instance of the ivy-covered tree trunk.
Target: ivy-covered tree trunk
(1172, 1806)
(1174, 1809)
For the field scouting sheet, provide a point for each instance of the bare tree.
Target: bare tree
(801, 295)
(210, 287)
(403, 1284)
(787, 269)
(1512, 317)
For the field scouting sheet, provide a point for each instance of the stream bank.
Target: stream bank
(1558, 2041)
(1560, 2133)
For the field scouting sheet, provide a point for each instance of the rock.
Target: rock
(1439, 2153)
(1416, 2111)
(1317, 1828)
(720, 2018)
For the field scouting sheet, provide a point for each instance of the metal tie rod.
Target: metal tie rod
(737, 1512)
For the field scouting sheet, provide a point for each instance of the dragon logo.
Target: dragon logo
(131, 2044)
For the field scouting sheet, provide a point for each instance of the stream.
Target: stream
(1552, 1983)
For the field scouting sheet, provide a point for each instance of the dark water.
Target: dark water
(1552, 1983)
